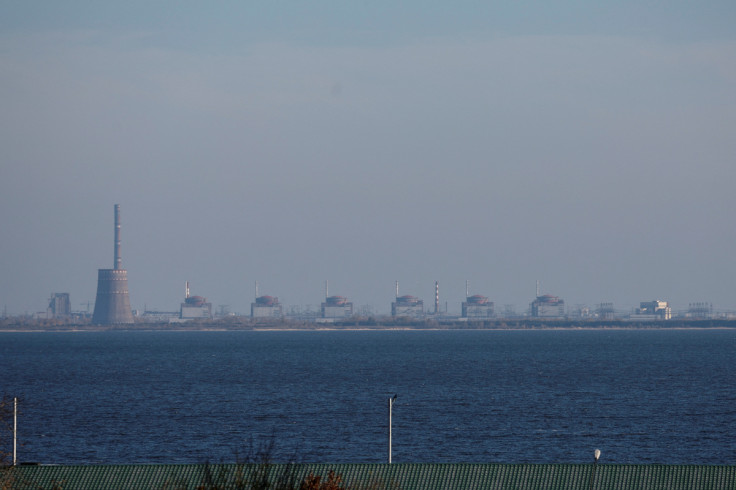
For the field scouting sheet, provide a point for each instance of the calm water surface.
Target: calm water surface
(463, 396)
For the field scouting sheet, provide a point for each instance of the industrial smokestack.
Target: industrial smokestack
(118, 264)
(112, 305)
(436, 297)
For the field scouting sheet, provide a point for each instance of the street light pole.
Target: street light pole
(15, 430)
(596, 456)
(390, 406)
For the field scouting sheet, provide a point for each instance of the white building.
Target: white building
(336, 307)
(477, 306)
(407, 306)
(194, 307)
(266, 307)
(548, 306)
(652, 310)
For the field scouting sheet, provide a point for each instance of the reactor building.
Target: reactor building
(548, 306)
(407, 305)
(266, 307)
(336, 307)
(194, 307)
(477, 307)
(112, 305)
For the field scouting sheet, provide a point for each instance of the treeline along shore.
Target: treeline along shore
(26, 324)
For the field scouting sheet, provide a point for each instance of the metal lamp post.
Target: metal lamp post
(15, 431)
(596, 455)
(390, 406)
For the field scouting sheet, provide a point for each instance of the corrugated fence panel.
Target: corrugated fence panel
(404, 476)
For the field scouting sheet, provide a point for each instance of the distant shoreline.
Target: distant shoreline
(362, 325)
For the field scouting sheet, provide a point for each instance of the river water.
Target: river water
(640, 396)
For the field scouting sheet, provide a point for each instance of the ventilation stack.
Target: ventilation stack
(112, 305)
(436, 297)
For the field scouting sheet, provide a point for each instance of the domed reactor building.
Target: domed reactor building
(112, 305)
(266, 307)
(194, 306)
(336, 307)
(407, 305)
(548, 306)
(477, 306)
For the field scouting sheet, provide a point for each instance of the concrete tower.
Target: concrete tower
(112, 305)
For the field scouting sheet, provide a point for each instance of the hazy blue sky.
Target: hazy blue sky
(587, 146)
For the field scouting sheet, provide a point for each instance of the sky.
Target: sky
(584, 145)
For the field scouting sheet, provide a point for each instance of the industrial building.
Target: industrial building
(700, 311)
(112, 305)
(407, 306)
(477, 306)
(266, 307)
(194, 307)
(652, 310)
(606, 311)
(548, 306)
(59, 306)
(336, 307)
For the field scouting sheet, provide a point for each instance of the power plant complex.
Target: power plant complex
(112, 304)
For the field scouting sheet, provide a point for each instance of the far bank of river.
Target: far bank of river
(245, 324)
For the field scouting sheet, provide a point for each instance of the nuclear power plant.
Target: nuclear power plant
(112, 305)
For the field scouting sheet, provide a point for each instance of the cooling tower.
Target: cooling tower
(112, 305)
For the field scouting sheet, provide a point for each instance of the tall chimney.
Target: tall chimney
(118, 264)
(436, 297)
(112, 305)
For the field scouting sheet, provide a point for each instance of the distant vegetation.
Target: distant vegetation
(27, 323)
(256, 471)
(260, 477)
